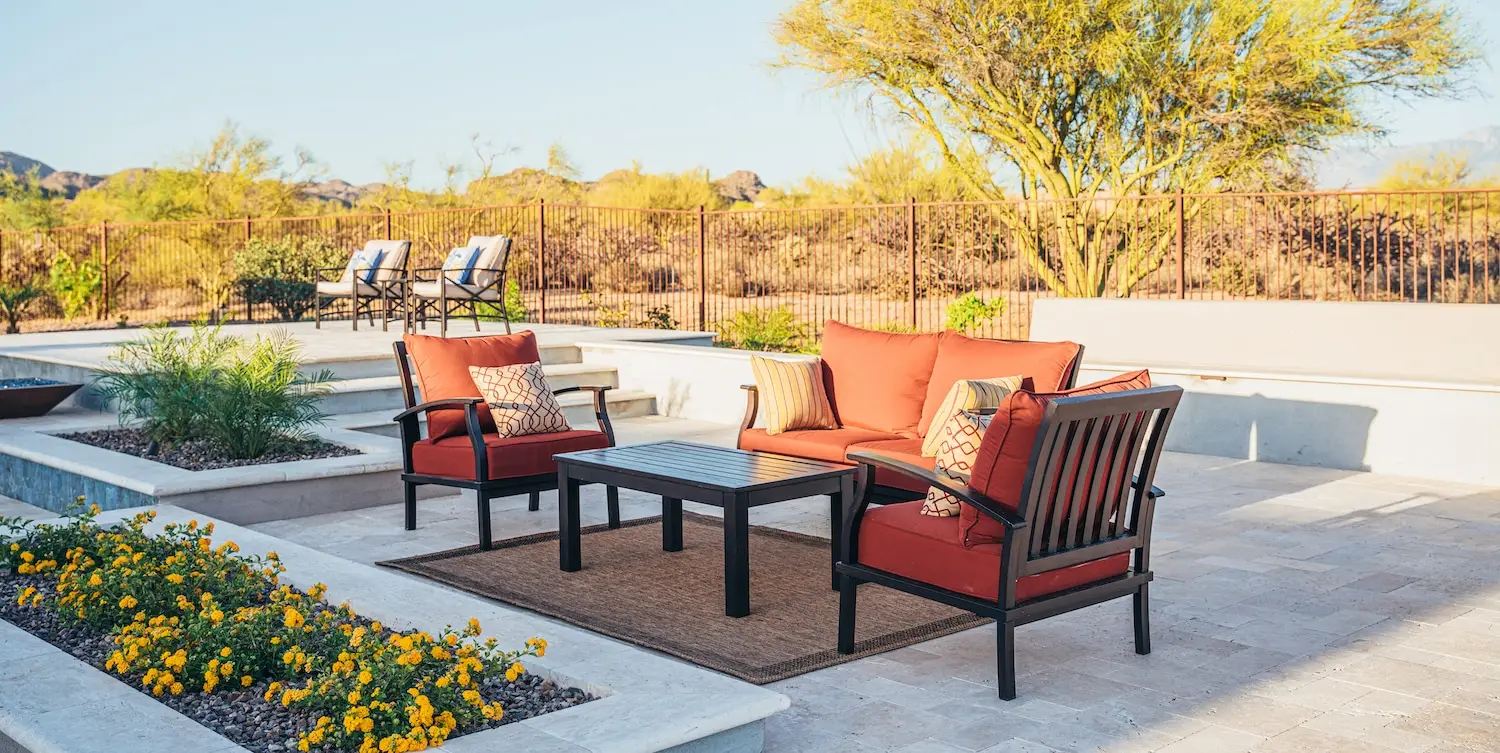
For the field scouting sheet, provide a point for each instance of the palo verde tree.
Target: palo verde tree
(1102, 99)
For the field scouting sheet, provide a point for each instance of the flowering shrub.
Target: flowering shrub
(190, 616)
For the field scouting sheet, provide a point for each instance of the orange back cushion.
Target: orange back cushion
(877, 380)
(1000, 466)
(1046, 366)
(442, 367)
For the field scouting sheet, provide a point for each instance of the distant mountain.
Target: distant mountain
(10, 162)
(56, 182)
(1364, 166)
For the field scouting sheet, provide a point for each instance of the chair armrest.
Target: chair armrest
(1135, 483)
(964, 492)
(752, 406)
(601, 406)
(449, 402)
(319, 273)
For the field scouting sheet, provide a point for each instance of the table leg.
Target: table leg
(736, 557)
(569, 558)
(836, 519)
(671, 524)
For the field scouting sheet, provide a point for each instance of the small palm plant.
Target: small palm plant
(245, 398)
(15, 301)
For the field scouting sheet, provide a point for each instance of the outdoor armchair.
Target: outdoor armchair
(1078, 532)
(374, 275)
(466, 454)
(444, 293)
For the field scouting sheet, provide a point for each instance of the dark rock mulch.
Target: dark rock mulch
(8, 384)
(202, 455)
(244, 716)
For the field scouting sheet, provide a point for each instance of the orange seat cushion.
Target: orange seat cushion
(442, 370)
(905, 450)
(878, 380)
(829, 445)
(1046, 367)
(1005, 451)
(900, 540)
(509, 457)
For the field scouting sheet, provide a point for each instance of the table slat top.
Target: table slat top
(706, 465)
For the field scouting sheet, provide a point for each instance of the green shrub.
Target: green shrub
(76, 285)
(659, 317)
(970, 311)
(772, 329)
(16, 300)
(515, 305)
(244, 397)
(283, 273)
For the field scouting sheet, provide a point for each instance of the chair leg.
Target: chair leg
(535, 502)
(317, 312)
(484, 521)
(1143, 620)
(474, 314)
(1005, 648)
(848, 589)
(612, 496)
(411, 506)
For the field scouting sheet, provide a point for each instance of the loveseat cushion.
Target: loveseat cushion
(905, 450)
(509, 457)
(830, 445)
(878, 380)
(900, 540)
(1005, 451)
(1045, 367)
(442, 370)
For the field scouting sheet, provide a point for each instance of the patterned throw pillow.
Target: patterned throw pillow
(519, 399)
(461, 260)
(959, 444)
(967, 394)
(792, 394)
(365, 263)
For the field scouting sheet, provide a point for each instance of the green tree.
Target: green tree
(1082, 99)
(24, 205)
(636, 188)
(1440, 171)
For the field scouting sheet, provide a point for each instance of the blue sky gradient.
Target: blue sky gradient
(98, 87)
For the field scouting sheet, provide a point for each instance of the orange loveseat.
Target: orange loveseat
(885, 388)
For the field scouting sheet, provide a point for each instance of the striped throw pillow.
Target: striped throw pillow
(967, 394)
(792, 394)
(958, 445)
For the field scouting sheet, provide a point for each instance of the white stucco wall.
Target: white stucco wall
(699, 383)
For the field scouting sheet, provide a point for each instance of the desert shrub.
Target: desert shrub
(659, 317)
(187, 616)
(244, 397)
(970, 311)
(1233, 276)
(773, 329)
(76, 285)
(16, 300)
(283, 273)
(515, 305)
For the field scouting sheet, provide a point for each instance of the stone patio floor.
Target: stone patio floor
(1294, 609)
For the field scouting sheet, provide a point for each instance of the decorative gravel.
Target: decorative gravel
(244, 716)
(7, 384)
(201, 455)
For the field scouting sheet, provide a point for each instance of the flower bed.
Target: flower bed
(203, 455)
(218, 637)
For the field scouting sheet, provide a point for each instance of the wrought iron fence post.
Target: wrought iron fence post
(541, 254)
(104, 268)
(702, 270)
(250, 307)
(911, 250)
(388, 235)
(1181, 243)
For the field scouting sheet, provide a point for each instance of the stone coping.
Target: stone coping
(34, 441)
(648, 702)
(1292, 376)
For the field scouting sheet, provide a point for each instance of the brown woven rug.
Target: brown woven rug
(674, 601)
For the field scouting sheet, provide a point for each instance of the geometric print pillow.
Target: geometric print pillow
(519, 399)
(957, 449)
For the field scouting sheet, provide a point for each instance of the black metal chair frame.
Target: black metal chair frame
(1095, 442)
(391, 295)
(444, 307)
(485, 488)
(879, 494)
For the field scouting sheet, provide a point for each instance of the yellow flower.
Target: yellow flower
(365, 677)
(292, 618)
(225, 652)
(246, 681)
(473, 626)
(128, 602)
(174, 579)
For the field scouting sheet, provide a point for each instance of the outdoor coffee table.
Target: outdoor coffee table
(735, 480)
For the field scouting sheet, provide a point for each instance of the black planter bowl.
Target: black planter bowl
(29, 398)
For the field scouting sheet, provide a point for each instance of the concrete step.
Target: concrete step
(376, 393)
(578, 407)
(385, 364)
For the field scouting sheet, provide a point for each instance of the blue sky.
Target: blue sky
(98, 87)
